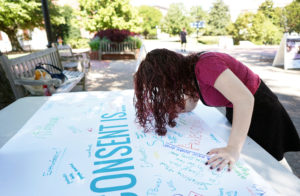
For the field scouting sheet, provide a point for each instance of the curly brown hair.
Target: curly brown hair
(162, 81)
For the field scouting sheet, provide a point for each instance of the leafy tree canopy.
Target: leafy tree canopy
(64, 26)
(198, 14)
(267, 8)
(24, 14)
(263, 31)
(108, 14)
(274, 14)
(292, 12)
(151, 18)
(218, 19)
(175, 19)
(264, 27)
(240, 29)
(256, 28)
(19, 14)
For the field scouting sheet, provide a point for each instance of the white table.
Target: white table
(280, 178)
(14, 116)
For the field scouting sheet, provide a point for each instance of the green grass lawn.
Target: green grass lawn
(209, 40)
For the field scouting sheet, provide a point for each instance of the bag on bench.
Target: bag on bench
(60, 75)
(46, 72)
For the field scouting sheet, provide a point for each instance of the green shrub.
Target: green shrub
(95, 44)
(138, 43)
(78, 42)
(104, 40)
(137, 40)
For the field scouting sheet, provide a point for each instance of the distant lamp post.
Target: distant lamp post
(198, 25)
(47, 22)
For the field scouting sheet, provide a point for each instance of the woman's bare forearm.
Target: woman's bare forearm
(242, 113)
(242, 100)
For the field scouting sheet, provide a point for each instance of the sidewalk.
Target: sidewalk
(117, 75)
(110, 75)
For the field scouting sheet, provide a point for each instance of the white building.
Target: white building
(5, 45)
(37, 40)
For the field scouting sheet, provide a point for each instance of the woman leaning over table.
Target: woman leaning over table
(168, 83)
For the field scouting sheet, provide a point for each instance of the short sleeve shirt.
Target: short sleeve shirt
(183, 36)
(209, 67)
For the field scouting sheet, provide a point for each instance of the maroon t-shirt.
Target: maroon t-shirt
(208, 69)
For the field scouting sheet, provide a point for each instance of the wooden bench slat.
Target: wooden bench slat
(24, 69)
(30, 68)
(117, 48)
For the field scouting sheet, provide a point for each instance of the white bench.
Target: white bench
(123, 48)
(70, 59)
(20, 71)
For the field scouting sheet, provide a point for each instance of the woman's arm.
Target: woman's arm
(243, 101)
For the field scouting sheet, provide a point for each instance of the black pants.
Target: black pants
(271, 126)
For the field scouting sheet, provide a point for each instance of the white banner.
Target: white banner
(288, 53)
(292, 53)
(88, 144)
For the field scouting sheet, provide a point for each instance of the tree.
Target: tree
(175, 19)
(240, 29)
(151, 19)
(263, 31)
(292, 13)
(64, 27)
(264, 27)
(6, 92)
(25, 14)
(198, 14)
(279, 19)
(19, 14)
(273, 14)
(108, 14)
(267, 8)
(256, 28)
(218, 19)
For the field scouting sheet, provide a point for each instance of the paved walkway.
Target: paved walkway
(111, 75)
(117, 75)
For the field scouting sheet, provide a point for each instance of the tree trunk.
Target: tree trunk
(6, 93)
(15, 44)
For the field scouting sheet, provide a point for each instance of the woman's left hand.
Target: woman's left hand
(223, 157)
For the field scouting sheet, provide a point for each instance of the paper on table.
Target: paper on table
(88, 144)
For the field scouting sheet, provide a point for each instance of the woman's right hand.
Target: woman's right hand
(223, 157)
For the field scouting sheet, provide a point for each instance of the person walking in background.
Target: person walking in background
(183, 40)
